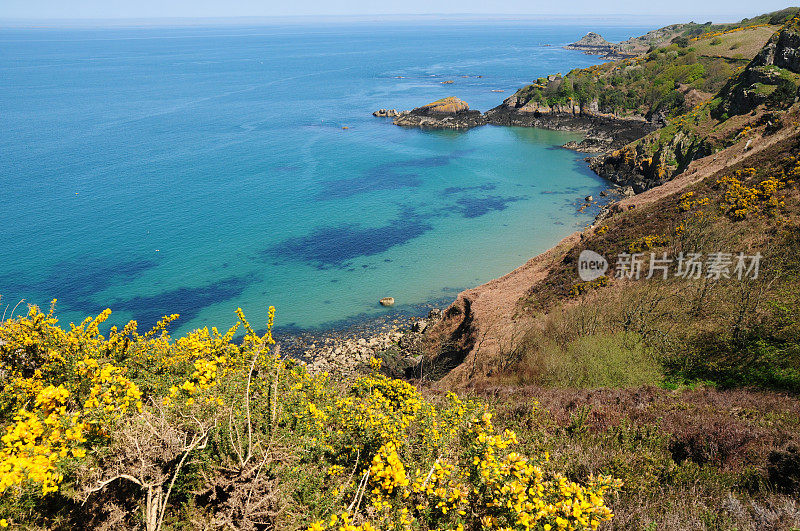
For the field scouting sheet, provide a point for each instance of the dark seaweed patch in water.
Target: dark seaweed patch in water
(387, 176)
(327, 247)
(451, 190)
(473, 207)
(75, 282)
(188, 302)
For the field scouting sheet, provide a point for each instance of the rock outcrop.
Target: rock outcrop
(602, 132)
(386, 113)
(447, 113)
(593, 44)
(771, 77)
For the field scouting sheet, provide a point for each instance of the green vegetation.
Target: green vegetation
(725, 332)
(688, 459)
(655, 83)
(699, 57)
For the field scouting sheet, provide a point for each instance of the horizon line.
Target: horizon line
(372, 16)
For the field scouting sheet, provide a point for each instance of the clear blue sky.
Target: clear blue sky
(680, 10)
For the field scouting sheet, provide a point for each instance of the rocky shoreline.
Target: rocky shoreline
(347, 350)
(603, 134)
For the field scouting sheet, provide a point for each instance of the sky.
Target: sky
(680, 10)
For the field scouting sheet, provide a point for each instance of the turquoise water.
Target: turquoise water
(197, 169)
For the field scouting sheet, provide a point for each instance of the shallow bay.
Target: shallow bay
(196, 169)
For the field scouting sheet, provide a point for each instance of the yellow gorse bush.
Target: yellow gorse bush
(741, 200)
(66, 393)
(58, 396)
(396, 460)
(364, 453)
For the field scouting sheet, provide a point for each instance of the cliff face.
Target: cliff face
(651, 162)
(518, 104)
(602, 132)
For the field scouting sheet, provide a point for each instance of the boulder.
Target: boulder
(419, 326)
(387, 301)
(386, 113)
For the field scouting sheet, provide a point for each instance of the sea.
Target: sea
(198, 168)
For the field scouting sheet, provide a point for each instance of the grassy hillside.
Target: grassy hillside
(669, 78)
(757, 102)
(726, 331)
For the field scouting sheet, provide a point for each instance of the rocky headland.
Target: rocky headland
(594, 44)
(602, 132)
(446, 113)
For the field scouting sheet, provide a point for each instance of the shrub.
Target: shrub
(783, 469)
(135, 429)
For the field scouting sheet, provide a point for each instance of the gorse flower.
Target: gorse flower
(388, 456)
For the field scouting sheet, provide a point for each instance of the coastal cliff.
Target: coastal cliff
(602, 132)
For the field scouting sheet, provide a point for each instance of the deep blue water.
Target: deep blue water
(197, 169)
